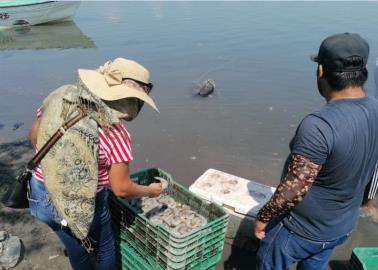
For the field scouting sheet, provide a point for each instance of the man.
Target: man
(333, 156)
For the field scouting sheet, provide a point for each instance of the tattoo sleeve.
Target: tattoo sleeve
(292, 189)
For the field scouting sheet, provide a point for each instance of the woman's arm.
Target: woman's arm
(33, 133)
(123, 186)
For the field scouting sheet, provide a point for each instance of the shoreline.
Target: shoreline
(41, 248)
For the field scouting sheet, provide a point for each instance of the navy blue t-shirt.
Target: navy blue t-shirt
(342, 137)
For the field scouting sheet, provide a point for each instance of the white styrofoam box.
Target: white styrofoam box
(241, 198)
(232, 192)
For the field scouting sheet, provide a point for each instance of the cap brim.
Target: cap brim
(314, 58)
(96, 83)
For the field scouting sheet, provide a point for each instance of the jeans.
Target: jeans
(101, 234)
(281, 248)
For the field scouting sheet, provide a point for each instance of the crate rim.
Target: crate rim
(160, 226)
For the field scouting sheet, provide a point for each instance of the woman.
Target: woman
(68, 190)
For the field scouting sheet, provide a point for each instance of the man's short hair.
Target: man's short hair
(341, 80)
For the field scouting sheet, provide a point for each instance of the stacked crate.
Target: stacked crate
(364, 258)
(144, 245)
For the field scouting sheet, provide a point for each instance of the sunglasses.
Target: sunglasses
(146, 86)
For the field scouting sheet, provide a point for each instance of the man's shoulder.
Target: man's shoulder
(372, 100)
(345, 108)
(315, 119)
(343, 116)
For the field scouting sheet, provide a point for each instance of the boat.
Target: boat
(32, 12)
(62, 35)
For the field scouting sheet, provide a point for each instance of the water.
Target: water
(257, 53)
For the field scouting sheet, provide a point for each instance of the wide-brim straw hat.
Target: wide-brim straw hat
(107, 81)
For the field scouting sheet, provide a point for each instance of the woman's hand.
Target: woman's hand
(123, 186)
(155, 189)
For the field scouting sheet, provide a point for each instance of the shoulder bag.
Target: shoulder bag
(17, 198)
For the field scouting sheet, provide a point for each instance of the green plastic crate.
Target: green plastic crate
(132, 260)
(213, 249)
(135, 233)
(200, 248)
(364, 258)
(165, 251)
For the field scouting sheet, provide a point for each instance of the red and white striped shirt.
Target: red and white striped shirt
(114, 147)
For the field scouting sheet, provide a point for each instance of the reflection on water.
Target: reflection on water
(62, 35)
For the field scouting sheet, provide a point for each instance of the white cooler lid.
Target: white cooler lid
(235, 193)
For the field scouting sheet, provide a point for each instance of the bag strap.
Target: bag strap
(54, 138)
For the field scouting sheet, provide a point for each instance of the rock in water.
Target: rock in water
(206, 88)
(17, 125)
(10, 248)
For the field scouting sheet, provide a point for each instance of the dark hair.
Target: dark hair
(340, 80)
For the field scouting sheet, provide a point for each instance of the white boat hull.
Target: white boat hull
(39, 13)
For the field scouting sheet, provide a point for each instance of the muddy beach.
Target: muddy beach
(41, 249)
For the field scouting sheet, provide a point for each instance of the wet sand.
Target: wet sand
(43, 250)
(41, 247)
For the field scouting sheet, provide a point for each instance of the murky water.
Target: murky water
(256, 52)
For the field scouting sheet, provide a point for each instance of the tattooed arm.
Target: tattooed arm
(299, 178)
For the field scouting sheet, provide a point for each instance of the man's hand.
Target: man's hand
(260, 229)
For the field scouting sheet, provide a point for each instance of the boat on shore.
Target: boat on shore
(32, 12)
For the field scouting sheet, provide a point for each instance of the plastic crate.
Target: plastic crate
(364, 258)
(198, 249)
(132, 260)
(165, 254)
(137, 233)
(193, 258)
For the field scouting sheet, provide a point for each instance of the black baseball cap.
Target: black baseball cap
(343, 52)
